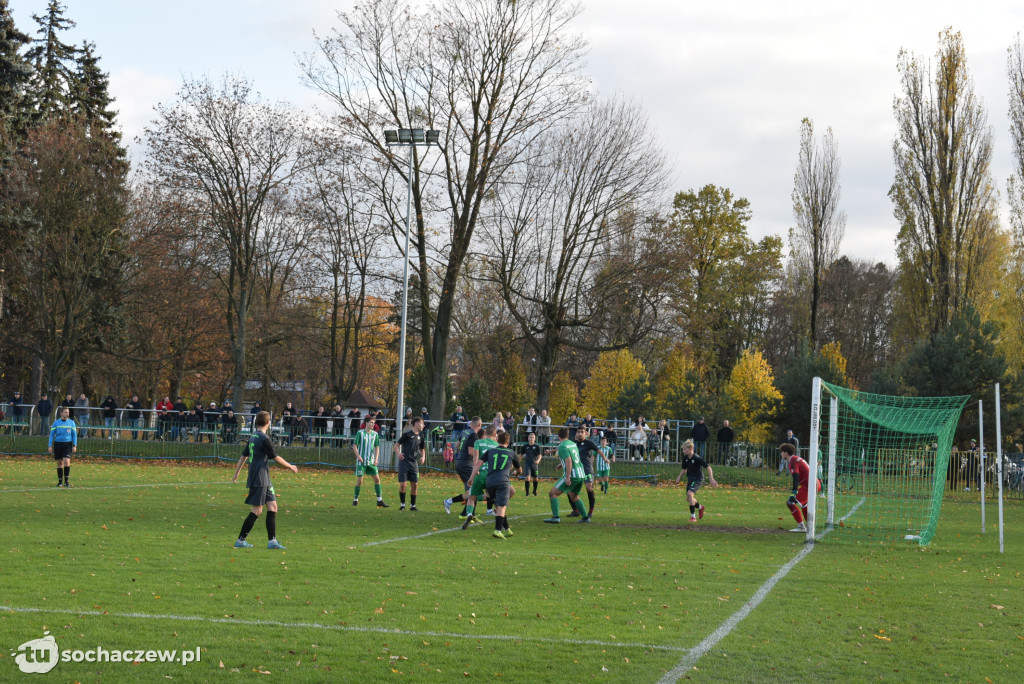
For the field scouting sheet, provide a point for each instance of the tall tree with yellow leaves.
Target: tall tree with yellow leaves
(751, 397)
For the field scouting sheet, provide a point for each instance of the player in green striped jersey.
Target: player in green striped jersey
(479, 475)
(605, 457)
(367, 449)
(571, 482)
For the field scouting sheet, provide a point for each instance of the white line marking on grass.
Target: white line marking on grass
(429, 534)
(337, 628)
(691, 658)
(132, 486)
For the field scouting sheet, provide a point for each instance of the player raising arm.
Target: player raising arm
(260, 452)
(691, 466)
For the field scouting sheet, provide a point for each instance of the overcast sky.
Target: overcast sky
(726, 84)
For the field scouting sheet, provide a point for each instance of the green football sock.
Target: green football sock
(357, 492)
(554, 507)
(581, 508)
(469, 510)
(376, 489)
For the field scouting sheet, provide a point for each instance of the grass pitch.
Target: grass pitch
(139, 556)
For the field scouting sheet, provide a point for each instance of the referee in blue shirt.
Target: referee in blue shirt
(63, 443)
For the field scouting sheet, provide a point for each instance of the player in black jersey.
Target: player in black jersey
(588, 450)
(691, 465)
(260, 452)
(464, 460)
(531, 463)
(500, 460)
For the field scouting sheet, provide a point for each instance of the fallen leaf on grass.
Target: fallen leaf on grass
(996, 607)
(883, 638)
(221, 665)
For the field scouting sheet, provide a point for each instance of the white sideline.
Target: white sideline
(695, 654)
(337, 628)
(159, 484)
(450, 529)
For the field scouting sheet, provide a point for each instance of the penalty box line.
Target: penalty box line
(712, 640)
(338, 628)
(131, 486)
(433, 532)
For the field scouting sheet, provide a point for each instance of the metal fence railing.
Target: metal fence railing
(328, 443)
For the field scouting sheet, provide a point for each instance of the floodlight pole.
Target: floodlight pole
(411, 138)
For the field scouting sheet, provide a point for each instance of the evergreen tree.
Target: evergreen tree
(15, 72)
(91, 97)
(53, 59)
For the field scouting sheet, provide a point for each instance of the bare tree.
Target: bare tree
(943, 193)
(491, 76)
(1015, 184)
(820, 223)
(341, 200)
(221, 143)
(557, 249)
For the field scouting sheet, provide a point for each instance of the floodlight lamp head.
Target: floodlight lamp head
(390, 137)
(433, 137)
(405, 135)
(417, 135)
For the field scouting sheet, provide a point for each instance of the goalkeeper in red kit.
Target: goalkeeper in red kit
(801, 471)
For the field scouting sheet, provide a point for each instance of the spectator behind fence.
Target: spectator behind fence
(544, 425)
(16, 411)
(510, 423)
(589, 423)
(530, 421)
(724, 437)
(699, 434)
(288, 416)
(229, 425)
(318, 422)
(355, 419)
(134, 415)
(790, 439)
(573, 423)
(212, 420)
(82, 415)
(458, 420)
(44, 408)
(611, 435)
(339, 421)
(637, 441)
(664, 437)
(109, 410)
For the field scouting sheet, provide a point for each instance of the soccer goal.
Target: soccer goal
(883, 461)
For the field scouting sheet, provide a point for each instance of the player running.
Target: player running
(691, 465)
(500, 460)
(605, 458)
(260, 452)
(367, 449)
(797, 501)
(571, 481)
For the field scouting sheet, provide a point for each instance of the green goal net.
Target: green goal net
(883, 461)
